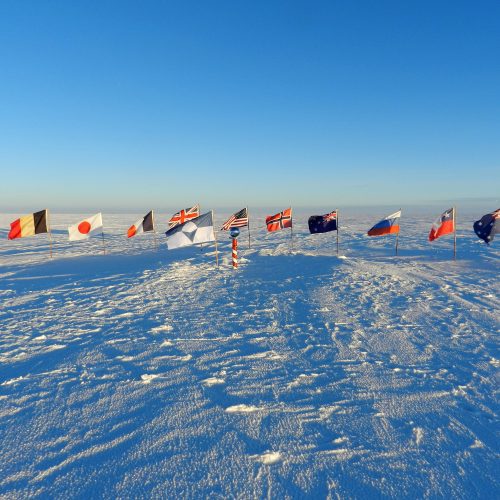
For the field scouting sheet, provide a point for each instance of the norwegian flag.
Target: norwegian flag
(279, 221)
(238, 219)
(183, 216)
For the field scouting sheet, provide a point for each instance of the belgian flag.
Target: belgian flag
(29, 225)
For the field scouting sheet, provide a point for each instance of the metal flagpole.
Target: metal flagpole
(248, 226)
(154, 229)
(103, 242)
(215, 237)
(50, 231)
(337, 210)
(454, 233)
(397, 238)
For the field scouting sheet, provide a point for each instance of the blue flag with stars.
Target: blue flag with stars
(488, 226)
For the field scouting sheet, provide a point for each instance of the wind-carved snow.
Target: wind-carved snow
(242, 408)
(298, 375)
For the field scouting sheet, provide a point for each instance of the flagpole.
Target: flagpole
(154, 229)
(215, 237)
(50, 231)
(337, 232)
(454, 233)
(397, 238)
(103, 242)
(248, 226)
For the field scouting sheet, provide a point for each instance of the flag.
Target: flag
(192, 232)
(386, 226)
(323, 223)
(239, 219)
(279, 221)
(444, 224)
(488, 226)
(143, 225)
(183, 216)
(84, 229)
(29, 225)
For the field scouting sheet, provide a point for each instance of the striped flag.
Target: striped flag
(29, 225)
(183, 216)
(239, 219)
(143, 225)
(388, 225)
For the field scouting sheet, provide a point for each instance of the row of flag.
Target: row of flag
(188, 226)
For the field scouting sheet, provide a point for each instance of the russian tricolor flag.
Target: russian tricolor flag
(386, 226)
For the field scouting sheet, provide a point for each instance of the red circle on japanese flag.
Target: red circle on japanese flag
(84, 227)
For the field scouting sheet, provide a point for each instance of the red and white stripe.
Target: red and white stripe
(235, 253)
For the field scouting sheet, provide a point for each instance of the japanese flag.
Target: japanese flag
(85, 228)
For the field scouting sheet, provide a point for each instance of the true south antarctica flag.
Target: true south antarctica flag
(143, 225)
(191, 232)
(386, 226)
(29, 225)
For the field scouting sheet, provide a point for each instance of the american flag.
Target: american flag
(279, 221)
(183, 216)
(239, 219)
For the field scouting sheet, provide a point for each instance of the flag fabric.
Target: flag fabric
(487, 226)
(183, 216)
(323, 223)
(238, 219)
(192, 232)
(29, 225)
(388, 225)
(279, 221)
(84, 229)
(444, 224)
(143, 225)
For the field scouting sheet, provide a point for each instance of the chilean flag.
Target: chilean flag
(143, 225)
(386, 226)
(84, 229)
(444, 224)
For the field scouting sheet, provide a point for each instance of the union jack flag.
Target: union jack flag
(239, 219)
(279, 221)
(183, 216)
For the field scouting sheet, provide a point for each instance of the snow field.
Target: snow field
(144, 373)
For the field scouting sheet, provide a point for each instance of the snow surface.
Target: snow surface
(152, 373)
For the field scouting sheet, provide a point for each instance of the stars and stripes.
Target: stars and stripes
(184, 215)
(238, 219)
(280, 220)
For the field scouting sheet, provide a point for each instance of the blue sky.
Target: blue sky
(130, 105)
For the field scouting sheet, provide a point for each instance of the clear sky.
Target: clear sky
(150, 104)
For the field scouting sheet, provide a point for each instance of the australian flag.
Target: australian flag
(488, 226)
(323, 223)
